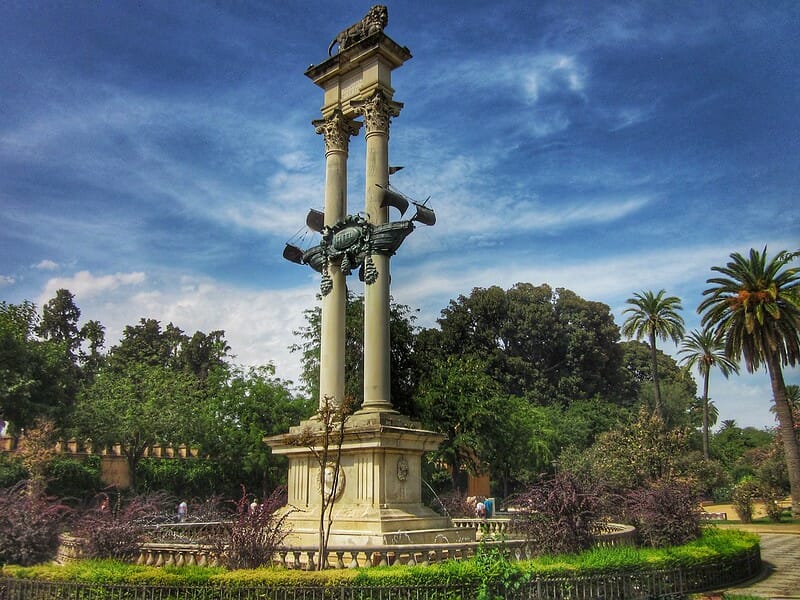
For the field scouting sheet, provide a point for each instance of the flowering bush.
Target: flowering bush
(29, 524)
(255, 532)
(666, 513)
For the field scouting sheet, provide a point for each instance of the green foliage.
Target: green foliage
(184, 478)
(654, 316)
(29, 525)
(12, 471)
(633, 455)
(37, 378)
(745, 494)
(704, 350)
(461, 401)
(754, 306)
(137, 406)
(72, 478)
(241, 408)
(548, 346)
(487, 573)
(404, 362)
(60, 322)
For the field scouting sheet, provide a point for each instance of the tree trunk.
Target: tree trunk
(706, 375)
(783, 410)
(654, 357)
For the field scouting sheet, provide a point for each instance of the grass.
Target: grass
(714, 544)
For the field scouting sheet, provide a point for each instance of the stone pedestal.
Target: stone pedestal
(378, 498)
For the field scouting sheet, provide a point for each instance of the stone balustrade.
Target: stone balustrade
(181, 544)
(606, 534)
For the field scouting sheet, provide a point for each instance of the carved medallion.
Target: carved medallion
(329, 491)
(402, 468)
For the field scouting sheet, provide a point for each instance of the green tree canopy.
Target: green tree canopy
(549, 346)
(59, 322)
(244, 406)
(138, 405)
(37, 378)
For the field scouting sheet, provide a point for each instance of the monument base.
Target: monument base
(378, 493)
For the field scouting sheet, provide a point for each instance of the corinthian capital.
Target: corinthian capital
(337, 131)
(377, 112)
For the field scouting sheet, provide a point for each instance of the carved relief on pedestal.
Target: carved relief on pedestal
(402, 468)
(337, 131)
(333, 483)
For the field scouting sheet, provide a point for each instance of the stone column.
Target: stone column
(377, 113)
(337, 131)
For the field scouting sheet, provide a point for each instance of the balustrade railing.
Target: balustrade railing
(192, 543)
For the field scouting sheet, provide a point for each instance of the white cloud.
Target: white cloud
(6, 280)
(46, 265)
(84, 285)
(258, 324)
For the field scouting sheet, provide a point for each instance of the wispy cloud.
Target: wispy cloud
(6, 280)
(46, 265)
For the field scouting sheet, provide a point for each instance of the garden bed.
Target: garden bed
(718, 559)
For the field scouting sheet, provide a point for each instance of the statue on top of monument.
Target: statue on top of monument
(374, 21)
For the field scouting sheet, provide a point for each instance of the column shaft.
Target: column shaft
(332, 335)
(337, 131)
(377, 343)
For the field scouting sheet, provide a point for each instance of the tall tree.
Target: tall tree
(146, 343)
(548, 346)
(94, 334)
(241, 408)
(702, 349)
(754, 306)
(461, 401)
(37, 378)
(138, 406)
(60, 322)
(654, 316)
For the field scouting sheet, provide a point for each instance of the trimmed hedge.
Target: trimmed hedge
(715, 545)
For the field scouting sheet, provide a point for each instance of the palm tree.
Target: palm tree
(755, 308)
(654, 316)
(703, 350)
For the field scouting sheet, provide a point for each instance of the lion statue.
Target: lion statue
(374, 21)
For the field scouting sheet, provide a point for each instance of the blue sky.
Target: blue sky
(156, 156)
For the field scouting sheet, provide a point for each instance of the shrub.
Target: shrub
(185, 477)
(772, 497)
(666, 513)
(71, 478)
(557, 514)
(12, 471)
(116, 529)
(744, 496)
(29, 525)
(255, 532)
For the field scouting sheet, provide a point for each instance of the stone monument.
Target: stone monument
(377, 489)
